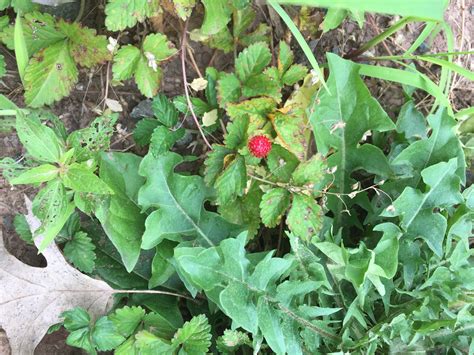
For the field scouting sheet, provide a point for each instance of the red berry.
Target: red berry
(260, 146)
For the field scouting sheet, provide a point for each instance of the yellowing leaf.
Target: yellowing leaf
(199, 84)
(50, 75)
(209, 118)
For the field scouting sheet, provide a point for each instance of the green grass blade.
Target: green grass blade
(429, 28)
(445, 77)
(449, 65)
(21, 51)
(299, 38)
(384, 35)
(415, 79)
(427, 9)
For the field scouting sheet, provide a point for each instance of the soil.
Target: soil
(86, 99)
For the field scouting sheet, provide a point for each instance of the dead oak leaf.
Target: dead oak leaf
(31, 298)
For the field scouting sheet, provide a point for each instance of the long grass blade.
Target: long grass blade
(429, 28)
(427, 9)
(415, 79)
(21, 51)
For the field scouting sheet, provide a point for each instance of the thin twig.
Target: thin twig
(185, 83)
(193, 62)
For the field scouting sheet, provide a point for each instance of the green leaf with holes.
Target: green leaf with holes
(52, 206)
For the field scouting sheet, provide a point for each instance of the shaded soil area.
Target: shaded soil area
(88, 96)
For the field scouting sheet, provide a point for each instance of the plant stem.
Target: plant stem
(185, 83)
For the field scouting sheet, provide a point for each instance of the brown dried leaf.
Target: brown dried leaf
(31, 299)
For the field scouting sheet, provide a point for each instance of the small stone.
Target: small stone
(142, 110)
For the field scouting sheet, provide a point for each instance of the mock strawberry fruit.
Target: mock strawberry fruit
(260, 146)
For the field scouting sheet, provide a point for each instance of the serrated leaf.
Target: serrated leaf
(125, 61)
(262, 85)
(77, 322)
(214, 163)
(39, 31)
(86, 47)
(144, 130)
(80, 178)
(260, 106)
(119, 214)
(105, 335)
(149, 343)
(121, 14)
(148, 80)
(292, 132)
(80, 252)
(294, 74)
(194, 337)
(237, 133)
(285, 57)
(232, 181)
(164, 111)
(228, 89)
(50, 75)
(245, 210)
(260, 34)
(42, 173)
(200, 107)
(310, 172)
(281, 163)
(216, 16)
(127, 319)
(305, 217)
(143, 64)
(158, 45)
(252, 60)
(162, 139)
(242, 20)
(274, 204)
(39, 140)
